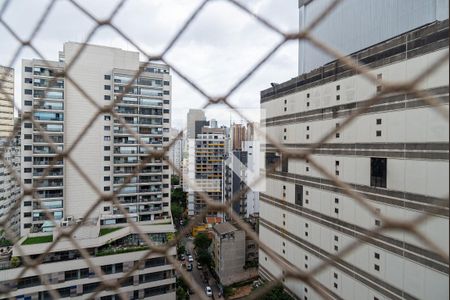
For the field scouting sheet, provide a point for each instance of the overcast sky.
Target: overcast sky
(219, 47)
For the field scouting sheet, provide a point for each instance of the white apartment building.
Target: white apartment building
(114, 253)
(10, 186)
(176, 151)
(395, 155)
(253, 150)
(107, 152)
(6, 101)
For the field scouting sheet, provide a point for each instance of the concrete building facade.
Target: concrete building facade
(108, 152)
(395, 155)
(6, 101)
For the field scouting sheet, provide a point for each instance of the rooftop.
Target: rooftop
(224, 228)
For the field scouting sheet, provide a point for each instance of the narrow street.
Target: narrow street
(199, 277)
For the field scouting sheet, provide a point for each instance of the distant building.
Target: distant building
(6, 101)
(176, 151)
(237, 136)
(192, 116)
(209, 156)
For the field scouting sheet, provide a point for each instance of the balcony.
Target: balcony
(40, 82)
(53, 172)
(54, 138)
(50, 194)
(48, 116)
(48, 94)
(42, 71)
(40, 161)
(48, 183)
(151, 102)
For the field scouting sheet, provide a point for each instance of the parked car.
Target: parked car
(189, 267)
(182, 257)
(208, 291)
(190, 258)
(199, 266)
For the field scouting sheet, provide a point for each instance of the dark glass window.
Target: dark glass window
(378, 170)
(107, 77)
(299, 194)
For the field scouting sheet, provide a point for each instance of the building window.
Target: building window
(377, 223)
(107, 168)
(338, 87)
(27, 147)
(335, 275)
(28, 92)
(285, 165)
(307, 136)
(338, 135)
(336, 238)
(106, 178)
(377, 255)
(378, 121)
(166, 82)
(106, 158)
(27, 181)
(307, 169)
(378, 133)
(27, 214)
(28, 103)
(338, 97)
(107, 138)
(306, 257)
(376, 267)
(306, 225)
(337, 173)
(106, 148)
(379, 88)
(106, 188)
(336, 248)
(27, 225)
(307, 104)
(28, 125)
(166, 101)
(107, 97)
(336, 163)
(27, 158)
(166, 93)
(27, 170)
(285, 109)
(299, 194)
(335, 285)
(306, 233)
(107, 128)
(27, 136)
(107, 77)
(284, 130)
(28, 69)
(28, 80)
(378, 172)
(107, 118)
(307, 95)
(307, 127)
(27, 203)
(107, 87)
(379, 76)
(284, 137)
(336, 200)
(306, 266)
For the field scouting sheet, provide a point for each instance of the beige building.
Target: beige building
(6, 101)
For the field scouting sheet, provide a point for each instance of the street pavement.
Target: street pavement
(198, 275)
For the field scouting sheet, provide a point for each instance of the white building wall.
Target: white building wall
(328, 219)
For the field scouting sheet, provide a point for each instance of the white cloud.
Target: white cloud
(217, 49)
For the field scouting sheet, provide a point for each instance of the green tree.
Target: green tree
(177, 210)
(202, 241)
(277, 293)
(182, 290)
(181, 249)
(15, 261)
(175, 180)
(205, 258)
(178, 196)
